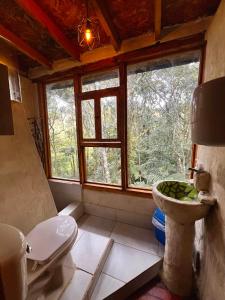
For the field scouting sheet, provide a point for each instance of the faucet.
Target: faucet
(201, 183)
(201, 179)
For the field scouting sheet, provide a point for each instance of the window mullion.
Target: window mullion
(77, 89)
(122, 123)
(98, 126)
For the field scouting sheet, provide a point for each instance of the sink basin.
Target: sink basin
(179, 201)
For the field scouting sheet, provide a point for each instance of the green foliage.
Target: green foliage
(62, 132)
(159, 144)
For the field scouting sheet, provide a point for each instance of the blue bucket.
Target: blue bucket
(158, 221)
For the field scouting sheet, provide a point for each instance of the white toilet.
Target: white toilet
(51, 239)
(48, 241)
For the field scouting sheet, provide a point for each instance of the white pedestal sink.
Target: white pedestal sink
(178, 200)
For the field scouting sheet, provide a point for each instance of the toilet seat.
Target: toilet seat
(51, 238)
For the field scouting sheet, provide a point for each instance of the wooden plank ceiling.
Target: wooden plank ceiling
(44, 31)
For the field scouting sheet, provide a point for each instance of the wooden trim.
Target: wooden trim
(100, 93)
(117, 189)
(148, 53)
(77, 90)
(202, 64)
(100, 143)
(200, 81)
(64, 180)
(24, 47)
(123, 123)
(35, 11)
(106, 21)
(44, 119)
(121, 143)
(98, 121)
(157, 18)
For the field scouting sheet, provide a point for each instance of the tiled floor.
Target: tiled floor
(96, 267)
(134, 250)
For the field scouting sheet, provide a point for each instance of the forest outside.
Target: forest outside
(158, 122)
(159, 106)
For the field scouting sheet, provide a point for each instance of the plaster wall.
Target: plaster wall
(211, 232)
(65, 193)
(120, 207)
(25, 196)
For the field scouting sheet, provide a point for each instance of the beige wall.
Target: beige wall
(25, 197)
(29, 97)
(120, 207)
(211, 234)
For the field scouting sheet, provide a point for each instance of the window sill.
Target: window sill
(107, 188)
(116, 189)
(67, 181)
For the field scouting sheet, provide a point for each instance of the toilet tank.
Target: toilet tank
(13, 268)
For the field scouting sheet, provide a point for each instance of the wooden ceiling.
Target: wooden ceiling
(44, 31)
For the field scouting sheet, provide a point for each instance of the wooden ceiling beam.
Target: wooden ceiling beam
(24, 47)
(106, 21)
(35, 11)
(157, 18)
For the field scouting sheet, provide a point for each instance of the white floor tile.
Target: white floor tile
(138, 238)
(78, 287)
(134, 219)
(88, 252)
(125, 263)
(96, 225)
(105, 286)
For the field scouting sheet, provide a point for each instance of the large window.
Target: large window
(159, 98)
(62, 130)
(129, 135)
(100, 139)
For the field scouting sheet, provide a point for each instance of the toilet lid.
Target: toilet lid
(46, 238)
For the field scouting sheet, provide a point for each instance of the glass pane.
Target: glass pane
(88, 119)
(109, 117)
(100, 81)
(62, 130)
(159, 142)
(103, 165)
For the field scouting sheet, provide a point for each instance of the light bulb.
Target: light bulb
(88, 34)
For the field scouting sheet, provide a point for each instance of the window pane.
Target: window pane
(100, 81)
(159, 142)
(103, 165)
(109, 117)
(62, 130)
(88, 119)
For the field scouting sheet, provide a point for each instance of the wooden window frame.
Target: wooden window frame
(98, 141)
(121, 142)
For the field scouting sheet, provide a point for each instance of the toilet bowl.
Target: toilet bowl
(51, 239)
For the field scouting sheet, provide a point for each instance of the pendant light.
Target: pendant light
(88, 31)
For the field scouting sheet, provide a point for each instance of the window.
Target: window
(100, 140)
(103, 165)
(129, 136)
(159, 98)
(14, 85)
(88, 119)
(62, 130)
(101, 80)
